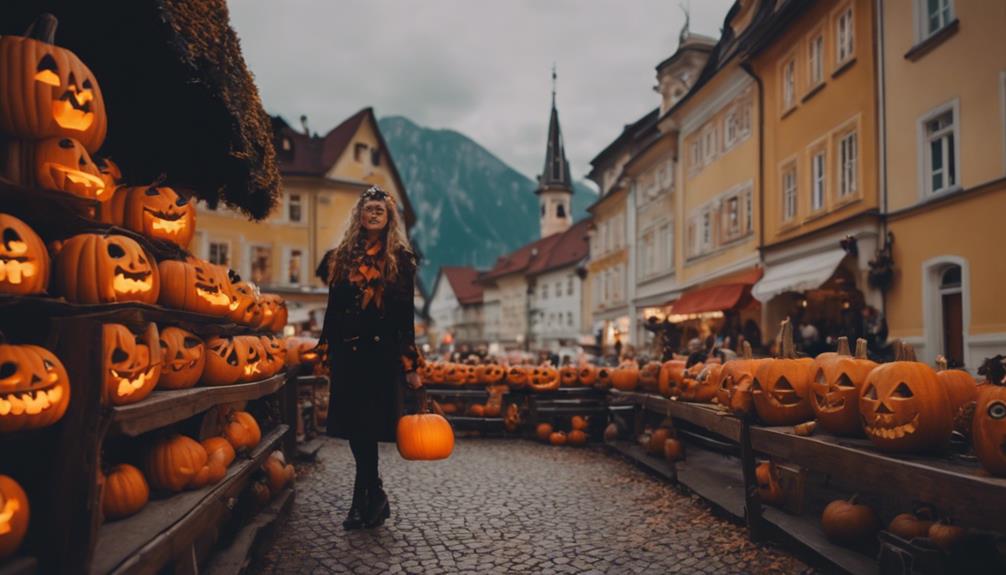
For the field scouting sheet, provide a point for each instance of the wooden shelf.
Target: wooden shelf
(704, 415)
(311, 380)
(635, 453)
(150, 539)
(457, 392)
(714, 477)
(253, 539)
(806, 530)
(163, 408)
(960, 489)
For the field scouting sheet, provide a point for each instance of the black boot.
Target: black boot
(378, 508)
(354, 520)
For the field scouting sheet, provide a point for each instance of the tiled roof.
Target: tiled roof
(464, 284)
(553, 252)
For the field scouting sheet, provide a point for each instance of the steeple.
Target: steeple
(555, 184)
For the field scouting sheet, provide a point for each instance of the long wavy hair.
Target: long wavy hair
(395, 242)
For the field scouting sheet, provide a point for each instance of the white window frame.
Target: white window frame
(749, 210)
(247, 267)
(230, 252)
(922, 31)
(818, 179)
(731, 128)
(706, 233)
(847, 166)
(815, 59)
(709, 143)
(845, 39)
(287, 258)
(923, 160)
(788, 84)
(788, 179)
(932, 305)
(303, 205)
(733, 227)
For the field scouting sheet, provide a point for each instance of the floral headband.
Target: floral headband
(374, 193)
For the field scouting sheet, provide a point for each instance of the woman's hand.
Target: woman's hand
(412, 378)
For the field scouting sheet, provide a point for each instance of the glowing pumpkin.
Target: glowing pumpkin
(156, 211)
(94, 268)
(251, 357)
(184, 357)
(24, 261)
(223, 367)
(14, 516)
(193, 286)
(132, 364)
(34, 388)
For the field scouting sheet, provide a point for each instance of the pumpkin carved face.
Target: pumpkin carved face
(567, 376)
(905, 408)
(158, 212)
(781, 387)
(517, 376)
(270, 309)
(47, 91)
(14, 515)
(184, 357)
(705, 385)
(649, 376)
(248, 311)
(438, 373)
(275, 355)
(111, 174)
(836, 390)
(251, 355)
(94, 268)
(492, 373)
(471, 375)
(223, 366)
(34, 388)
(24, 261)
(544, 378)
(586, 374)
(672, 374)
(989, 431)
(194, 286)
(132, 363)
(62, 164)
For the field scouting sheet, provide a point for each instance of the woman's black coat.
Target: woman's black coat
(366, 348)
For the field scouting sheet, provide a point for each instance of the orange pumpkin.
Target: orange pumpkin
(219, 449)
(47, 91)
(904, 406)
(176, 462)
(672, 374)
(576, 437)
(511, 421)
(223, 365)
(14, 515)
(246, 309)
(132, 364)
(961, 386)
(517, 376)
(543, 431)
(270, 308)
(557, 438)
(424, 437)
(251, 357)
(278, 472)
(836, 389)
(492, 373)
(909, 526)
(603, 380)
(470, 375)
(477, 410)
(193, 286)
(156, 211)
(626, 376)
(34, 388)
(567, 376)
(649, 377)
(655, 444)
(578, 422)
(24, 261)
(989, 424)
(674, 450)
(849, 522)
(767, 479)
(241, 429)
(281, 316)
(111, 175)
(494, 405)
(184, 357)
(781, 387)
(94, 268)
(544, 378)
(275, 355)
(705, 385)
(454, 373)
(738, 373)
(438, 373)
(586, 374)
(125, 492)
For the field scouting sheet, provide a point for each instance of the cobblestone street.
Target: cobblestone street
(504, 506)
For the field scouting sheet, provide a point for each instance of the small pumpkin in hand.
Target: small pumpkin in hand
(132, 365)
(848, 522)
(781, 387)
(184, 357)
(424, 437)
(24, 261)
(904, 406)
(14, 516)
(96, 268)
(125, 492)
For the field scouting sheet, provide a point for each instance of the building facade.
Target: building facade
(944, 110)
(456, 309)
(817, 65)
(556, 291)
(323, 178)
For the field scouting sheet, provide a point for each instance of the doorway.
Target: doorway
(952, 308)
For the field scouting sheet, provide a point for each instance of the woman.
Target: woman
(370, 338)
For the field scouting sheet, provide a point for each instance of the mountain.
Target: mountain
(471, 207)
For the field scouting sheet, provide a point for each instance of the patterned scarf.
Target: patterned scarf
(366, 274)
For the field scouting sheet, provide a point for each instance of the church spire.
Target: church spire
(556, 173)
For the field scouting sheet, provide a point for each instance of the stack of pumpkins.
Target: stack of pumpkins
(174, 462)
(577, 435)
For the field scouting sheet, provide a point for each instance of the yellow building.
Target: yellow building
(716, 201)
(944, 98)
(817, 68)
(322, 178)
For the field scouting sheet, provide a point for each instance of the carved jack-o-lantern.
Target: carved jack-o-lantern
(251, 356)
(470, 374)
(836, 389)
(567, 376)
(94, 268)
(781, 387)
(275, 355)
(248, 310)
(672, 375)
(586, 374)
(194, 286)
(438, 373)
(989, 425)
(904, 407)
(223, 366)
(649, 377)
(132, 364)
(270, 308)
(184, 357)
(62, 164)
(492, 373)
(14, 515)
(47, 91)
(34, 387)
(544, 378)
(24, 261)
(704, 386)
(517, 376)
(111, 174)
(158, 212)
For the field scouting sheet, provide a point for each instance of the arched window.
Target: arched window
(560, 210)
(952, 308)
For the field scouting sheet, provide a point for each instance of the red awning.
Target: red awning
(712, 298)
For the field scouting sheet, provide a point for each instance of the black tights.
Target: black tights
(365, 453)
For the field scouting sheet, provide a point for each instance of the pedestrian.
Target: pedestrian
(370, 337)
(618, 348)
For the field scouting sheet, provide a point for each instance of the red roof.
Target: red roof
(463, 282)
(553, 252)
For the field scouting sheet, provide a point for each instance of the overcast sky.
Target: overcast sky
(479, 67)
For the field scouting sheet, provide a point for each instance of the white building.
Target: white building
(556, 286)
(456, 309)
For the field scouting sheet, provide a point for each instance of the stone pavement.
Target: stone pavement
(511, 506)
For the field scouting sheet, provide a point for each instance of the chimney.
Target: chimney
(303, 124)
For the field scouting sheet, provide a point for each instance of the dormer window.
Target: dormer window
(287, 145)
(359, 151)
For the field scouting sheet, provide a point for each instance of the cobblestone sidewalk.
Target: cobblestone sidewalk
(511, 506)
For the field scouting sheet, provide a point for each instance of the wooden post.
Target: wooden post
(752, 503)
